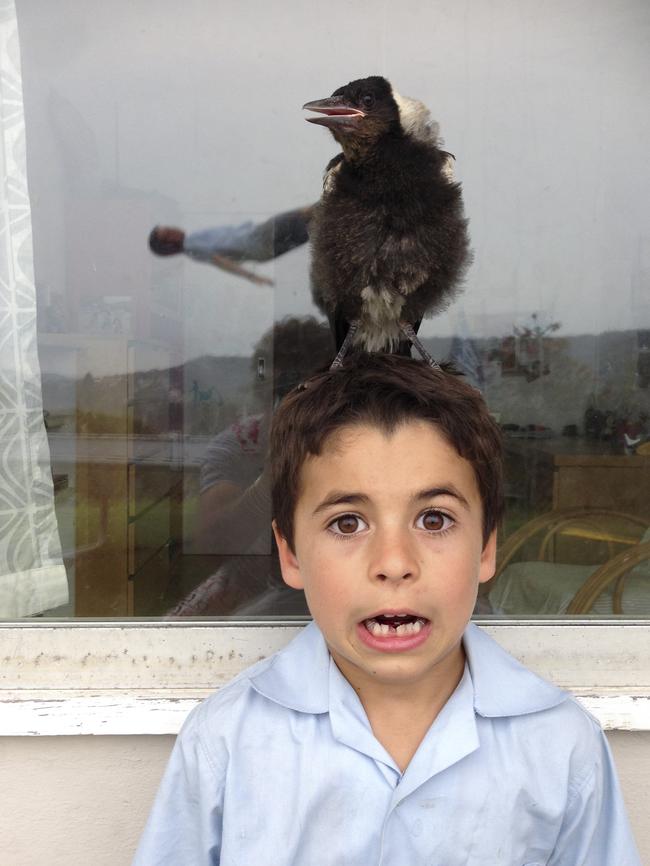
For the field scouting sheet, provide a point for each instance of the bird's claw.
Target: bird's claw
(338, 361)
(408, 330)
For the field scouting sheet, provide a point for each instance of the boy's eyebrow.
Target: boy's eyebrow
(342, 497)
(447, 490)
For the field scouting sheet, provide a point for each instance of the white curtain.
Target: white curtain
(32, 575)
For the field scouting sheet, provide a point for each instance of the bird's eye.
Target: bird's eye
(367, 100)
(434, 521)
(347, 524)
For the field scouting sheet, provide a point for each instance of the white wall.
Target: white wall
(75, 801)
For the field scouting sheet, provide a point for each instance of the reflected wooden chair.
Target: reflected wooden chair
(570, 588)
(615, 571)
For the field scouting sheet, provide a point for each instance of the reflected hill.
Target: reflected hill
(551, 385)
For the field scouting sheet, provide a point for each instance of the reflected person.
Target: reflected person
(234, 503)
(227, 246)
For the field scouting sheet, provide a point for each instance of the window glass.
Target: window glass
(171, 175)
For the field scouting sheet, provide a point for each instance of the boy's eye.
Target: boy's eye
(347, 524)
(434, 521)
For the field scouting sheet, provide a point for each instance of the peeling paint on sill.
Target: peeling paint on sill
(107, 678)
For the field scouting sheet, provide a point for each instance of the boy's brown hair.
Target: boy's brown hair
(383, 391)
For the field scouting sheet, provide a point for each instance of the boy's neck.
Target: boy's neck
(400, 714)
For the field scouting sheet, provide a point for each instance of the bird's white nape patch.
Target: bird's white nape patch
(416, 119)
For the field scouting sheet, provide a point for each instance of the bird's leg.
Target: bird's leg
(338, 361)
(407, 329)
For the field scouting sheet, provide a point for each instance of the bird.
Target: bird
(389, 238)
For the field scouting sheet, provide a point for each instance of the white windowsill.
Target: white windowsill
(144, 677)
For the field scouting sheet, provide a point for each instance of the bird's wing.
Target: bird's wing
(448, 166)
(331, 170)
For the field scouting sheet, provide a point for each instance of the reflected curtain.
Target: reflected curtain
(32, 574)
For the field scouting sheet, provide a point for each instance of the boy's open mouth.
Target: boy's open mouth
(395, 625)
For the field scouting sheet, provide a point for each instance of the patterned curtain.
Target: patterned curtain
(32, 575)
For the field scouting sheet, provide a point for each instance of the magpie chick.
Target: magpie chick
(389, 239)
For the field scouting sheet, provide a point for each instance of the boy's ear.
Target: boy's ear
(288, 561)
(488, 559)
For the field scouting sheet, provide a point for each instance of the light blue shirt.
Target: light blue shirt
(250, 241)
(237, 242)
(281, 768)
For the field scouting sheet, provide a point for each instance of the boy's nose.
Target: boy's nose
(393, 557)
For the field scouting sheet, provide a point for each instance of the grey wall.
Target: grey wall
(74, 801)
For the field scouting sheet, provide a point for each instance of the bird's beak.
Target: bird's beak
(337, 113)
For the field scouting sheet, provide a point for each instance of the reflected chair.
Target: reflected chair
(531, 578)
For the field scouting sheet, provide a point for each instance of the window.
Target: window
(160, 369)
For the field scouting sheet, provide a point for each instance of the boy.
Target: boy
(389, 731)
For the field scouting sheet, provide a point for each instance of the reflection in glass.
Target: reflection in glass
(154, 367)
(576, 535)
(234, 508)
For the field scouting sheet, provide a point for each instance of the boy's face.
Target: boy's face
(388, 525)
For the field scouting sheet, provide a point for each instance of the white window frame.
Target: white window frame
(143, 677)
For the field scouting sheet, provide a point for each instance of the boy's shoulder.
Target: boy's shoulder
(544, 720)
(211, 727)
(237, 692)
(504, 687)
(293, 678)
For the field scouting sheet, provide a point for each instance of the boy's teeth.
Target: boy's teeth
(409, 627)
(379, 629)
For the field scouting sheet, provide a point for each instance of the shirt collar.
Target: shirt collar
(298, 677)
(503, 686)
